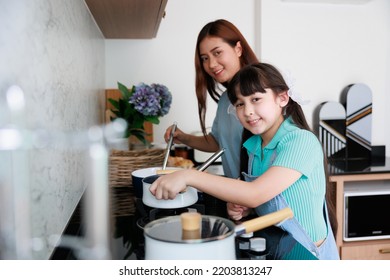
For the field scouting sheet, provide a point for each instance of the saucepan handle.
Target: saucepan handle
(264, 221)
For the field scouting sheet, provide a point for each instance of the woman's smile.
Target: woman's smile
(218, 74)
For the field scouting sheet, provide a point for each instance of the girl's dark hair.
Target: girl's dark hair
(256, 78)
(204, 82)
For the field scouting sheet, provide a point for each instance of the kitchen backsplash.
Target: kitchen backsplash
(55, 53)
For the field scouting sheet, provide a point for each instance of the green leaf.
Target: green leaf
(129, 112)
(114, 103)
(141, 136)
(127, 134)
(138, 122)
(123, 105)
(152, 119)
(116, 113)
(124, 90)
(126, 93)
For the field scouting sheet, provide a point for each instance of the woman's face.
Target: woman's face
(220, 60)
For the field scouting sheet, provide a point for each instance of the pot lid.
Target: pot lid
(169, 229)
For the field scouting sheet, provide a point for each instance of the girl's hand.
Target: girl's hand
(237, 212)
(169, 185)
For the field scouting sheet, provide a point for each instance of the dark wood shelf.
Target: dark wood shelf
(128, 19)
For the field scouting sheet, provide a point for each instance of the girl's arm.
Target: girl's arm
(249, 194)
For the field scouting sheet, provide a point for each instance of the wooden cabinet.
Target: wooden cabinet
(368, 250)
(128, 19)
(363, 250)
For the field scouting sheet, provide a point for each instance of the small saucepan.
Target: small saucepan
(138, 175)
(214, 238)
(183, 199)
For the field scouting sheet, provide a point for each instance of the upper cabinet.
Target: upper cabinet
(128, 19)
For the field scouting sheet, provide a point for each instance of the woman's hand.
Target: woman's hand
(237, 212)
(200, 142)
(169, 185)
(178, 135)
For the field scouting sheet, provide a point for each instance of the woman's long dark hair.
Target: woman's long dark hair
(256, 78)
(204, 82)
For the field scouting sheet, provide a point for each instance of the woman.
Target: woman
(221, 50)
(285, 162)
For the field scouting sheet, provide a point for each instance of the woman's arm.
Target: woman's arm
(248, 194)
(205, 144)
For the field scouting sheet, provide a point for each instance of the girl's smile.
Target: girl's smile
(253, 122)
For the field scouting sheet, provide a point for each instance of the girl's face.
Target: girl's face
(220, 60)
(261, 113)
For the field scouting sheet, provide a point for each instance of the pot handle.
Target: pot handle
(264, 221)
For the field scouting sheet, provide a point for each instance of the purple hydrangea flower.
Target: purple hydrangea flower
(154, 100)
(165, 98)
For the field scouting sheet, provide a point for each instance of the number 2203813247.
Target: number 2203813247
(237, 270)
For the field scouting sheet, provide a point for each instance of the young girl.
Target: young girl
(285, 165)
(221, 50)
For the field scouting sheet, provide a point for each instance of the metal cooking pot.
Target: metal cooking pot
(166, 240)
(183, 199)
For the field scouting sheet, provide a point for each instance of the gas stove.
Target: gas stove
(128, 243)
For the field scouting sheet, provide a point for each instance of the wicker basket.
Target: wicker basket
(122, 202)
(123, 163)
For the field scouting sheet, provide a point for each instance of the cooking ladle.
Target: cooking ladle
(169, 145)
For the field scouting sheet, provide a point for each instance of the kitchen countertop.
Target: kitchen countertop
(358, 166)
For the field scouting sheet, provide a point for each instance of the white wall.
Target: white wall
(325, 46)
(169, 58)
(329, 46)
(54, 51)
